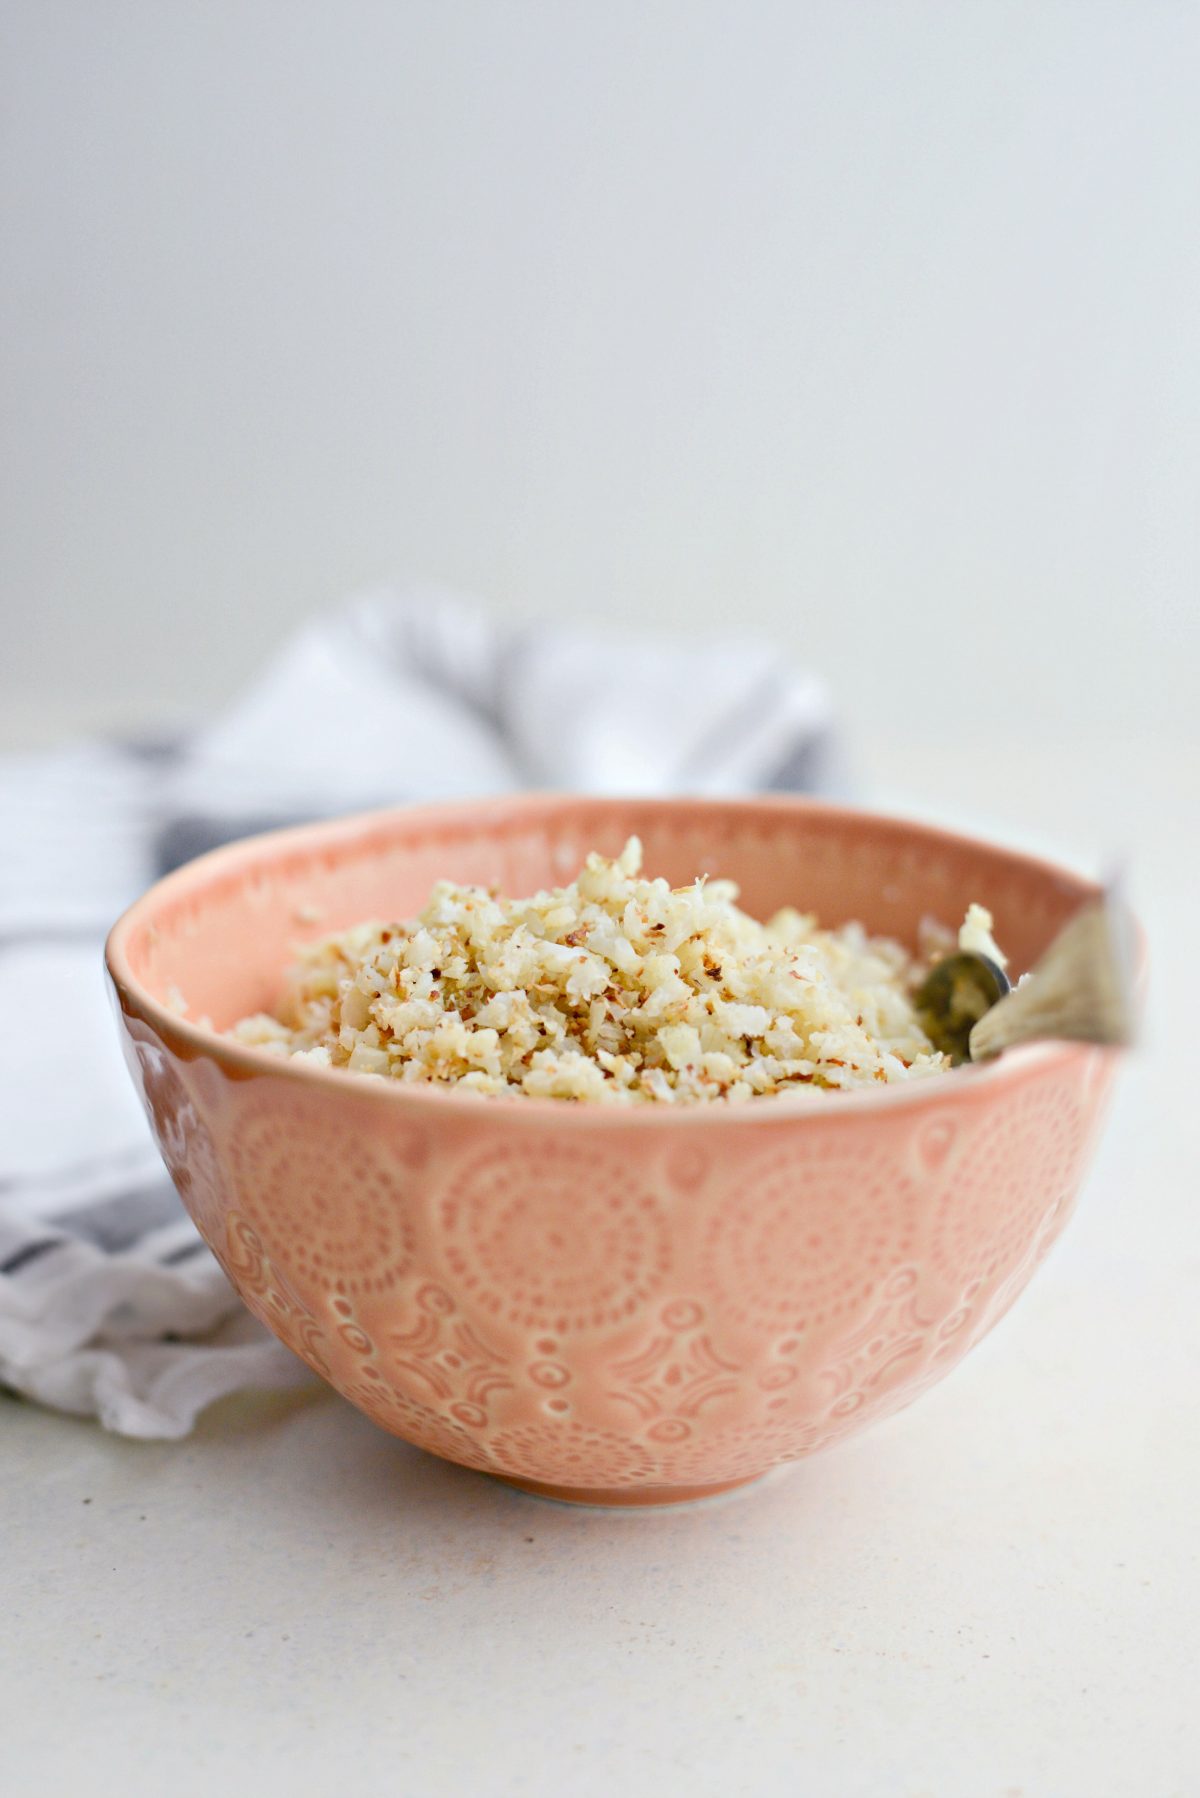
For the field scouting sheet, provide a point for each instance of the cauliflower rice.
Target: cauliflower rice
(615, 989)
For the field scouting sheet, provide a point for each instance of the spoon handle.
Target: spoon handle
(1079, 991)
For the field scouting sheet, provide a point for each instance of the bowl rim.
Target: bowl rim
(241, 1060)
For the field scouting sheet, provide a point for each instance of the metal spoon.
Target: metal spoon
(1080, 991)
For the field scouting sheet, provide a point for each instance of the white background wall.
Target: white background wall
(874, 327)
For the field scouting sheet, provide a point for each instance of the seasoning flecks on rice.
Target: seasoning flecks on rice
(615, 989)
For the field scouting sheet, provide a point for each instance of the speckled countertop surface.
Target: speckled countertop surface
(994, 1594)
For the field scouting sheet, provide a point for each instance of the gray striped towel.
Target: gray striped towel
(110, 1304)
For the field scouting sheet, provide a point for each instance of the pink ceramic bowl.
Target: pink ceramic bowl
(617, 1306)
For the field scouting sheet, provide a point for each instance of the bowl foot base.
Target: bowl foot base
(625, 1497)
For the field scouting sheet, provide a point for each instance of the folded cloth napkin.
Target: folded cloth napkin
(110, 1304)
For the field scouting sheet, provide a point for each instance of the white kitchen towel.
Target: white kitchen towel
(109, 1302)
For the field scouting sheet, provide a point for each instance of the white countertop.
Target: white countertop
(993, 1595)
